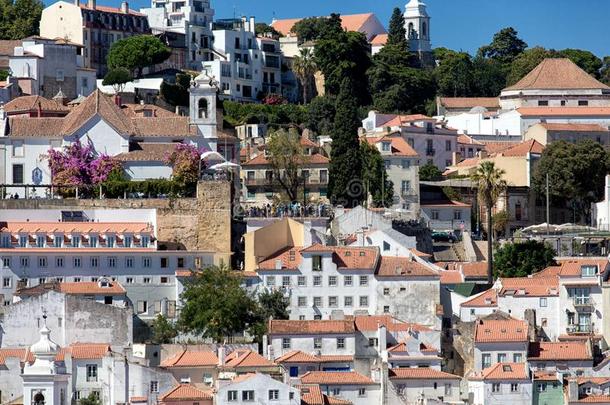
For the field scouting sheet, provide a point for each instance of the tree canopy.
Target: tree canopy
(163, 331)
(504, 47)
(521, 259)
(20, 18)
(429, 172)
(117, 78)
(375, 177)
(287, 158)
(137, 52)
(397, 33)
(264, 29)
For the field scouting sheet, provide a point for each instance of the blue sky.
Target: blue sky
(458, 24)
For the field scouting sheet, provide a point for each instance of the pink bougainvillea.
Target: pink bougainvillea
(184, 160)
(79, 165)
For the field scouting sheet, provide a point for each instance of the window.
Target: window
(373, 342)
(362, 392)
(76, 262)
(77, 279)
(405, 163)
(501, 357)
(302, 301)
(348, 301)
(543, 103)
(154, 386)
(110, 240)
(147, 280)
(588, 271)
(91, 372)
(317, 301)
(386, 291)
(6, 262)
(364, 281)
(18, 174)
(336, 391)
(580, 296)
(111, 262)
(517, 357)
(340, 343)
(232, 396)
(514, 387)
(405, 187)
(286, 281)
(333, 302)
(348, 281)
(164, 262)
(274, 395)
(486, 360)
(59, 262)
(332, 281)
(146, 262)
(6, 282)
(247, 396)
(457, 215)
(448, 146)
(495, 387)
(364, 301)
(42, 280)
(142, 307)
(129, 262)
(583, 103)
(543, 302)
(144, 241)
(129, 280)
(386, 309)
(447, 389)
(164, 280)
(18, 148)
(317, 343)
(435, 215)
(386, 146)
(57, 241)
(270, 281)
(93, 261)
(316, 263)
(541, 387)
(317, 281)
(301, 281)
(42, 262)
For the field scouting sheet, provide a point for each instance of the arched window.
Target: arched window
(38, 399)
(424, 30)
(410, 30)
(202, 110)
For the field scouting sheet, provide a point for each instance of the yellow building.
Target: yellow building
(264, 242)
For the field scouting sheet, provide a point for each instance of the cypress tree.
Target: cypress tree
(345, 185)
(397, 33)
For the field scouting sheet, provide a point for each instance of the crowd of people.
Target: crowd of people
(294, 209)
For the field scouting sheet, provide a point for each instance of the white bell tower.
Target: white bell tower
(417, 25)
(202, 104)
(44, 382)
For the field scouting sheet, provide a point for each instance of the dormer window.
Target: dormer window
(93, 241)
(40, 239)
(386, 146)
(588, 270)
(6, 241)
(145, 241)
(103, 283)
(127, 241)
(23, 241)
(75, 241)
(110, 240)
(57, 241)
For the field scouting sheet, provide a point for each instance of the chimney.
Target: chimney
(124, 7)
(572, 390)
(117, 99)
(39, 110)
(221, 355)
(382, 342)
(91, 4)
(244, 23)
(252, 25)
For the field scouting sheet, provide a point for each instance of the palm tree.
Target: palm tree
(304, 67)
(490, 186)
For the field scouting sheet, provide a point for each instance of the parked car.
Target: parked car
(441, 236)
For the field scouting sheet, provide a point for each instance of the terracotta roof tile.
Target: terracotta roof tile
(503, 371)
(593, 399)
(137, 110)
(371, 323)
(23, 354)
(27, 104)
(523, 148)
(107, 9)
(530, 287)
(91, 287)
(84, 351)
(290, 259)
(380, 40)
(470, 102)
(468, 140)
(47, 127)
(571, 127)
(417, 253)
(314, 159)
(485, 299)
(545, 376)
(141, 152)
(563, 111)
(7, 46)
(401, 120)
(498, 146)
(505, 330)
(174, 127)
(557, 74)
(335, 378)
(347, 257)
(420, 373)
(311, 327)
(186, 392)
(312, 395)
(451, 277)
(559, 351)
(75, 227)
(188, 358)
(246, 358)
(573, 267)
(298, 356)
(391, 266)
(399, 146)
(353, 22)
(403, 348)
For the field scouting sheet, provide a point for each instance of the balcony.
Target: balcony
(575, 329)
(582, 304)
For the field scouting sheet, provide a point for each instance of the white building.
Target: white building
(256, 387)
(411, 385)
(244, 66)
(500, 341)
(502, 384)
(600, 211)
(417, 25)
(346, 385)
(193, 19)
(389, 241)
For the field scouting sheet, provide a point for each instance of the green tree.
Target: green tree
(163, 331)
(521, 259)
(20, 18)
(92, 399)
(374, 176)
(270, 305)
(304, 67)
(287, 158)
(117, 78)
(137, 52)
(397, 34)
(500, 220)
(490, 185)
(264, 29)
(576, 172)
(215, 305)
(321, 115)
(488, 77)
(314, 28)
(504, 47)
(429, 172)
(525, 63)
(345, 184)
(586, 60)
(454, 75)
(177, 94)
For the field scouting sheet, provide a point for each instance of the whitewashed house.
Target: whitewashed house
(500, 341)
(258, 388)
(346, 385)
(502, 384)
(411, 385)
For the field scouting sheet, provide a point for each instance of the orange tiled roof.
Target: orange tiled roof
(312, 395)
(402, 347)
(290, 258)
(84, 351)
(371, 323)
(497, 146)
(335, 378)
(23, 354)
(187, 358)
(563, 111)
(351, 22)
(30, 103)
(417, 253)
(523, 148)
(107, 9)
(136, 110)
(557, 74)
(468, 140)
(503, 371)
(572, 267)
(186, 392)
(488, 298)
(246, 358)
(505, 330)
(592, 399)
(399, 146)
(142, 152)
(298, 356)
(470, 102)
(591, 380)
(401, 120)
(571, 127)
(530, 287)
(559, 351)
(551, 271)
(391, 266)
(470, 269)
(380, 40)
(75, 227)
(545, 376)
(420, 373)
(138, 399)
(451, 277)
(91, 287)
(311, 327)
(348, 257)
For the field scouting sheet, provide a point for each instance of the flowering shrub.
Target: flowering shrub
(79, 165)
(184, 160)
(274, 99)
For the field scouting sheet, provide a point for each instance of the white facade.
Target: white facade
(260, 387)
(452, 216)
(517, 392)
(389, 241)
(600, 211)
(417, 25)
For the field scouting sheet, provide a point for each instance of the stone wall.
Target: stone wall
(202, 223)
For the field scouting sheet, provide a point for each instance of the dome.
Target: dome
(45, 345)
(478, 110)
